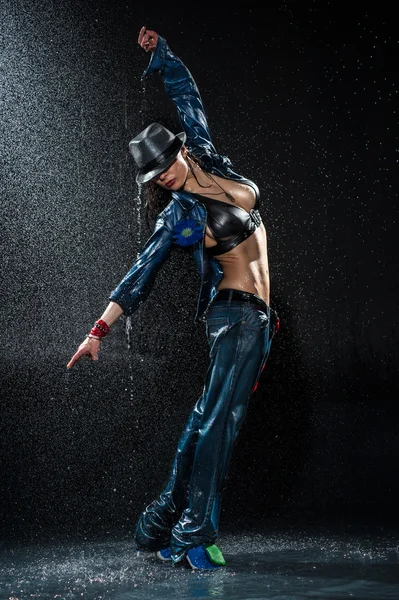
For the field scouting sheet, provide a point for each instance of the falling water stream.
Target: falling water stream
(138, 232)
(138, 226)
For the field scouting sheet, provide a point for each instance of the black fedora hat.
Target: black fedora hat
(154, 149)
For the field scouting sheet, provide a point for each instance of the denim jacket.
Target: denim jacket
(136, 285)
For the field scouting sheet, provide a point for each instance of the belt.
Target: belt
(229, 294)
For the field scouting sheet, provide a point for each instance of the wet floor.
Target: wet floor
(276, 566)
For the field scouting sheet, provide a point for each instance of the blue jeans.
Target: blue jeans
(187, 512)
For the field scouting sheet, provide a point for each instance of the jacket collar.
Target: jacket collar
(185, 199)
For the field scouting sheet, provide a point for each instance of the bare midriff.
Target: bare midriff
(246, 266)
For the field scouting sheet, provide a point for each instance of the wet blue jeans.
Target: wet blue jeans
(187, 512)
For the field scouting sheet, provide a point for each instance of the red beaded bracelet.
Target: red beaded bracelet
(100, 329)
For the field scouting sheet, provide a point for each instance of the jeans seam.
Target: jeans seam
(210, 503)
(264, 360)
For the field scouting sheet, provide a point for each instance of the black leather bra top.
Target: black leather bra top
(230, 225)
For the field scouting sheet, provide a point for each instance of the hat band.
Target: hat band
(155, 162)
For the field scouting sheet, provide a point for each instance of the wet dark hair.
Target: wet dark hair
(157, 198)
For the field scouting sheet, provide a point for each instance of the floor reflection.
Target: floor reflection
(278, 566)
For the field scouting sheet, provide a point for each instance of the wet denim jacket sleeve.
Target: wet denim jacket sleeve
(183, 91)
(136, 285)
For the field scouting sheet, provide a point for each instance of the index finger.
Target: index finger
(75, 358)
(141, 34)
(72, 361)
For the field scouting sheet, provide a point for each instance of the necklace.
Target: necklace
(228, 196)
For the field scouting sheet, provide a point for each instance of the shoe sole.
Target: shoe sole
(210, 568)
(159, 555)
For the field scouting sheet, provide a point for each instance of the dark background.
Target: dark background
(301, 96)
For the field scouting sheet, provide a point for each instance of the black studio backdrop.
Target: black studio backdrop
(302, 100)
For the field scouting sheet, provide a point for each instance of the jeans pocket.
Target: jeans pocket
(214, 321)
(256, 320)
(216, 328)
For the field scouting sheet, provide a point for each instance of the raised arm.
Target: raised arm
(182, 90)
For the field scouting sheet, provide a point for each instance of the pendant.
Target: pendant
(230, 197)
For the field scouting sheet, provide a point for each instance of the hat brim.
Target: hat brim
(145, 177)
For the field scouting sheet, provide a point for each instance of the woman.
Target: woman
(214, 213)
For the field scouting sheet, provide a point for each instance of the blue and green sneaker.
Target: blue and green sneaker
(165, 554)
(205, 557)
